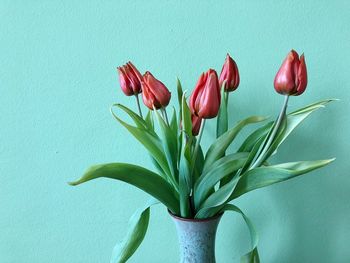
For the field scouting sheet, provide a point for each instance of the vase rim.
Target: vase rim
(195, 220)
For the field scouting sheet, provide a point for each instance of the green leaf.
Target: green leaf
(185, 179)
(169, 144)
(186, 118)
(219, 146)
(253, 154)
(179, 92)
(151, 142)
(267, 175)
(219, 170)
(140, 123)
(222, 120)
(138, 176)
(251, 140)
(137, 229)
(149, 120)
(174, 124)
(185, 164)
(213, 204)
(312, 106)
(293, 121)
(199, 164)
(253, 255)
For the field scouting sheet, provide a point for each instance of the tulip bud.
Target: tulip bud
(291, 78)
(205, 98)
(196, 124)
(130, 79)
(154, 92)
(229, 74)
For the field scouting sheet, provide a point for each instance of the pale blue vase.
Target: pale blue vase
(197, 239)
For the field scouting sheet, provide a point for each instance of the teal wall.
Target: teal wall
(58, 79)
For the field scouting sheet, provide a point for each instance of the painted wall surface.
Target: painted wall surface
(58, 79)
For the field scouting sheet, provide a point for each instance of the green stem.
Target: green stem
(138, 105)
(165, 115)
(278, 123)
(195, 153)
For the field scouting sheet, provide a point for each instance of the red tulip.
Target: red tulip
(205, 99)
(154, 92)
(229, 74)
(196, 124)
(291, 78)
(130, 79)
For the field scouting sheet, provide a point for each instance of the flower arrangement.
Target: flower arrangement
(189, 182)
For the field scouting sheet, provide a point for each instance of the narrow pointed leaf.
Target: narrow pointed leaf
(312, 106)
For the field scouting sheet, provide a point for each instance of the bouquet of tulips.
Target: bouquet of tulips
(191, 182)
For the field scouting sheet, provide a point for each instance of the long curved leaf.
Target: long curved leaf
(220, 145)
(137, 229)
(253, 255)
(151, 143)
(263, 176)
(138, 176)
(140, 123)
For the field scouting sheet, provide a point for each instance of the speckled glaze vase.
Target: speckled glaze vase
(197, 239)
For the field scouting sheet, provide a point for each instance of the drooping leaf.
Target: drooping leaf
(267, 175)
(220, 145)
(140, 123)
(138, 176)
(137, 229)
(151, 142)
(252, 256)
